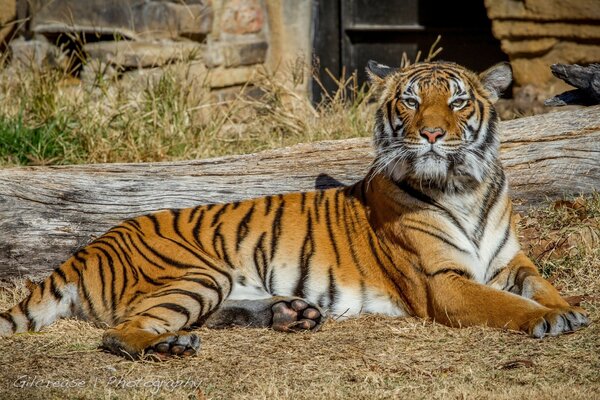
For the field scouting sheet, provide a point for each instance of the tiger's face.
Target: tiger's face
(435, 123)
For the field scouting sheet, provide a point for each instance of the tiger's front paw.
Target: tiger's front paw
(167, 345)
(558, 321)
(296, 315)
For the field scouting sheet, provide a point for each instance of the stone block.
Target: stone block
(224, 77)
(544, 10)
(144, 53)
(127, 18)
(242, 17)
(196, 73)
(536, 70)
(235, 53)
(36, 53)
(530, 29)
(8, 15)
(528, 48)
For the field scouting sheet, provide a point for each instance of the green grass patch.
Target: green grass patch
(50, 143)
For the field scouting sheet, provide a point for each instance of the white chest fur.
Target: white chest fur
(484, 233)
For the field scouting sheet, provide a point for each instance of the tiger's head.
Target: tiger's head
(436, 124)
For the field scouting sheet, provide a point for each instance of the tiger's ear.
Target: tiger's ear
(377, 72)
(496, 79)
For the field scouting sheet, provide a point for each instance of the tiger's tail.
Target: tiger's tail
(55, 297)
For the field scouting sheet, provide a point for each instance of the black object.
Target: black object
(348, 33)
(585, 79)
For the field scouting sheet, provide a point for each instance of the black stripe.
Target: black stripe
(103, 284)
(417, 194)
(276, 228)
(306, 254)
(54, 289)
(270, 281)
(196, 229)
(243, 230)
(149, 315)
(437, 236)
(208, 281)
(219, 245)
(218, 215)
(260, 257)
(389, 109)
(61, 273)
(8, 316)
(87, 297)
(501, 245)
(268, 204)
(194, 211)
(24, 308)
(113, 287)
(463, 273)
(332, 289)
(495, 275)
(330, 232)
(173, 307)
(490, 200)
(197, 297)
(302, 202)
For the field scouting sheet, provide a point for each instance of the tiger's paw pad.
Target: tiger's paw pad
(167, 345)
(558, 322)
(295, 316)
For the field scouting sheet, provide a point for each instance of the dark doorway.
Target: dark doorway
(348, 33)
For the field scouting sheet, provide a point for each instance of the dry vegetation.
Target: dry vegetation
(367, 358)
(49, 117)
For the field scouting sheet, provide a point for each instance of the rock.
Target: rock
(529, 29)
(242, 17)
(538, 33)
(195, 73)
(536, 70)
(586, 80)
(235, 53)
(544, 10)
(145, 53)
(127, 18)
(528, 47)
(8, 15)
(224, 77)
(36, 53)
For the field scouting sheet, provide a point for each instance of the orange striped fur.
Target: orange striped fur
(428, 232)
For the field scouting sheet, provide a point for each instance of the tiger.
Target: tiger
(429, 232)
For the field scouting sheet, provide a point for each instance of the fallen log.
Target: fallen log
(48, 212)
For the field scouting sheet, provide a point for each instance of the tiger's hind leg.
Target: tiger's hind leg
(285, 314)
(158, 323)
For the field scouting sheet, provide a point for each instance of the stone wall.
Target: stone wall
(226, 40)
(538, 33)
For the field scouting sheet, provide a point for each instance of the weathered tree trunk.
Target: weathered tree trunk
(47, 212)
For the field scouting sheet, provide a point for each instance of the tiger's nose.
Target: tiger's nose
(432, 134)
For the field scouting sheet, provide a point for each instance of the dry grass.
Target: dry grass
(367, 358)
(49, 117)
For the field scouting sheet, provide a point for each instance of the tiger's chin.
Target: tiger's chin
(438, 173)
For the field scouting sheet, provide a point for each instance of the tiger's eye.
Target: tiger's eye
(458, 104)
(412, 103)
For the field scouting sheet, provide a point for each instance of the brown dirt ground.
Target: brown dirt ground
(367, 358)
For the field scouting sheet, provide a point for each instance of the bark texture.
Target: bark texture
(48, 212)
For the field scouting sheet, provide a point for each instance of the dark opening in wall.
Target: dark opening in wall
(350, 32)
